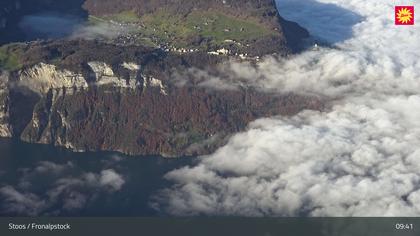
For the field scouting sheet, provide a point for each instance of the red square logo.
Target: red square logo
(404, 15)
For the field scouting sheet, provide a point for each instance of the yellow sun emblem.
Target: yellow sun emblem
(404, 15)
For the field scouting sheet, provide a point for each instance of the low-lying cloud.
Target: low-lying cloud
(100, 30)
(360, 158)
(54, 25)
(50, 25)
(54, 189)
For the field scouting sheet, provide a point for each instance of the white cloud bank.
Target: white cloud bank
(360, 158)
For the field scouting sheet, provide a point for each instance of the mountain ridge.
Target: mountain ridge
(137, 98)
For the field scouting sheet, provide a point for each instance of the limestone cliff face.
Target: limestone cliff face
(125, 103)
(5, 128)
(43, 77)
(184, 121)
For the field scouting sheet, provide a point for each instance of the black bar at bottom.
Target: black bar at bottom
(210, 226)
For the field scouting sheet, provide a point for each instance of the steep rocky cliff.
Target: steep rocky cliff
(126, 99)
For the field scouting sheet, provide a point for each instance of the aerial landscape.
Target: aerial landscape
(208, 108)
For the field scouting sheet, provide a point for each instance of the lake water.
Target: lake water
(43, 180)
(49, 25)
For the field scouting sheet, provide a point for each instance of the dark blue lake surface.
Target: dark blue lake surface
(42, 180)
